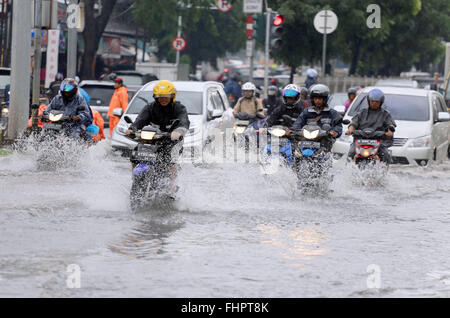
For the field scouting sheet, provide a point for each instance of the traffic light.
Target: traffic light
(259, 28)
(276, 31)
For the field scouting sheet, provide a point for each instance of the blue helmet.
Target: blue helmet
(376, 95)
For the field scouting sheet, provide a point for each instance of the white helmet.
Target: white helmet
(249, 86)
(311, 72)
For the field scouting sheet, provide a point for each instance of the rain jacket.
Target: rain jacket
(98, 120)
(271, 103)
(233, 88)
(118, 100)
(326, 116)
(277, 114)
(251, 106)
(162, 115)
(70, 109)
(40, 112)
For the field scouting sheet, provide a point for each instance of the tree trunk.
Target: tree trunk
(291, 78)
(93, 30)
(355, 55)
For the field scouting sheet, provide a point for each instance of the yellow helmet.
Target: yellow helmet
(165, 89)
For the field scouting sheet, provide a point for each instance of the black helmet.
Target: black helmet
(68, 88)
(352, 90)
(319, 90)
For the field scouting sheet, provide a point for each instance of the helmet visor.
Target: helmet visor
(67, 88)
(166, 95)
(290, 93)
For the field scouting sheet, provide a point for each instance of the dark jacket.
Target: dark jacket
(281, 110)
(155, 113)
(70, 109)
(327, 116)
(377, 119)
(233, 88)
(271, 103)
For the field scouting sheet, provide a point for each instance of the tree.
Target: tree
(93, 30)
(209, 33)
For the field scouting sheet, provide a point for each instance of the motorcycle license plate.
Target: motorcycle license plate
(309, 144)
(53, 126)
(145, 156)
(371, 142)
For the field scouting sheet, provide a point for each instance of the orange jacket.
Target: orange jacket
(98, 120)
(40, 113)
(119, 99)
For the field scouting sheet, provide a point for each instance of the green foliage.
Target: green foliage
(209, 33)
(411, 33)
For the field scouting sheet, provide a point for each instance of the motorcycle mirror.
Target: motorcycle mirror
(260, 116)
(128, 120)
(346, 121)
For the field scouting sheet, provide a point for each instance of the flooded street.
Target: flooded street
(232, 233)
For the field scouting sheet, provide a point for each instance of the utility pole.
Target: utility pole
(37, 57)
(73, 11)
(267, 45)
(20, 69)
(178, 35)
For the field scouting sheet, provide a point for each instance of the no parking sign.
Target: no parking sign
(178, 43)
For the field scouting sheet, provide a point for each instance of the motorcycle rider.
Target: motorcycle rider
(311, 77)
(304, 99)
(161, 112)
(291, 106)
(272, 101)
(320, 113)
(377, 118)
(249, 103)
(351, 93)
(68, 100)
(233, 89)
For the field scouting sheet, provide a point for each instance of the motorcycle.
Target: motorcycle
(151, 160)
(284, 144)
(245, 126)
(56, 146)
(312, 156)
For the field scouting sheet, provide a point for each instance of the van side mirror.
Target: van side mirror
(118, 112)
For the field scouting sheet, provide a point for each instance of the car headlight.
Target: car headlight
(55, 117)
(310, 134)
(420, 142)
(278, 132)
(147, 135)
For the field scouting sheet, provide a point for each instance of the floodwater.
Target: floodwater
(232, 232)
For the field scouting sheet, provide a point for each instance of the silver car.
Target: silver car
(207, 107)
(423, 128)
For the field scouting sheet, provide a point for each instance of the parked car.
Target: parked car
(207, 107)
(134, 78)
(5, 79)
(423, 127)
(397, 83)
(100, 93)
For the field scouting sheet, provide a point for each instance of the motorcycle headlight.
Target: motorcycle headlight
(420, 142)
(278, 132)
(5, 111)
(310, 134)
(55, 117)
(239, 129)
(147, 135)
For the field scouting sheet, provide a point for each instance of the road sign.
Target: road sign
(249, 26)
(325, 20)
(223, 5)
(253, 6)
(178, 43)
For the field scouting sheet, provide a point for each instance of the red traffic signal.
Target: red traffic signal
(278, 20)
